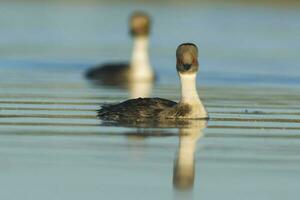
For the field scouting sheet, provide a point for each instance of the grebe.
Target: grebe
(157, 109)
(139, 68)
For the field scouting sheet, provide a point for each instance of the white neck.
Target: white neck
(189, 95)
(140, 65)
(188, 89)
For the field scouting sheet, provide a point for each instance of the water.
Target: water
(54, 147)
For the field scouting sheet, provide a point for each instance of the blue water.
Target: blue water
(53, 147)
(252, 45)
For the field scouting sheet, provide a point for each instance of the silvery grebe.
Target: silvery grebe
(189, 106)
(139, 68)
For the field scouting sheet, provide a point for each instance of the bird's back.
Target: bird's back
(109, 72)
(135, 109)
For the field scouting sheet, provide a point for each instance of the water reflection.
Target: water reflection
(184, 164)
(134, 89)
(189, 133)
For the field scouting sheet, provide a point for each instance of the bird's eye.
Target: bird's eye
(194, 61)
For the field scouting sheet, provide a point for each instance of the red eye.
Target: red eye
(194, 61)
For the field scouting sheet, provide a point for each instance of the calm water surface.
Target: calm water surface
(52, 146)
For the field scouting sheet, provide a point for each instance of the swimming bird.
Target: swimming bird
(139, 68)
(158, 109)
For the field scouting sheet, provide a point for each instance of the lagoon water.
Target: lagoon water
(53, 147)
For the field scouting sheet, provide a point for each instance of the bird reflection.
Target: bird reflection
(184, 164)
(134, 89)
(190, 131)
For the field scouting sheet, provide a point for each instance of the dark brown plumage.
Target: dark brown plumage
(135, 109)
(109, 74)
(144, 109)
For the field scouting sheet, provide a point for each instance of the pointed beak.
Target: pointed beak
(187, 66)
